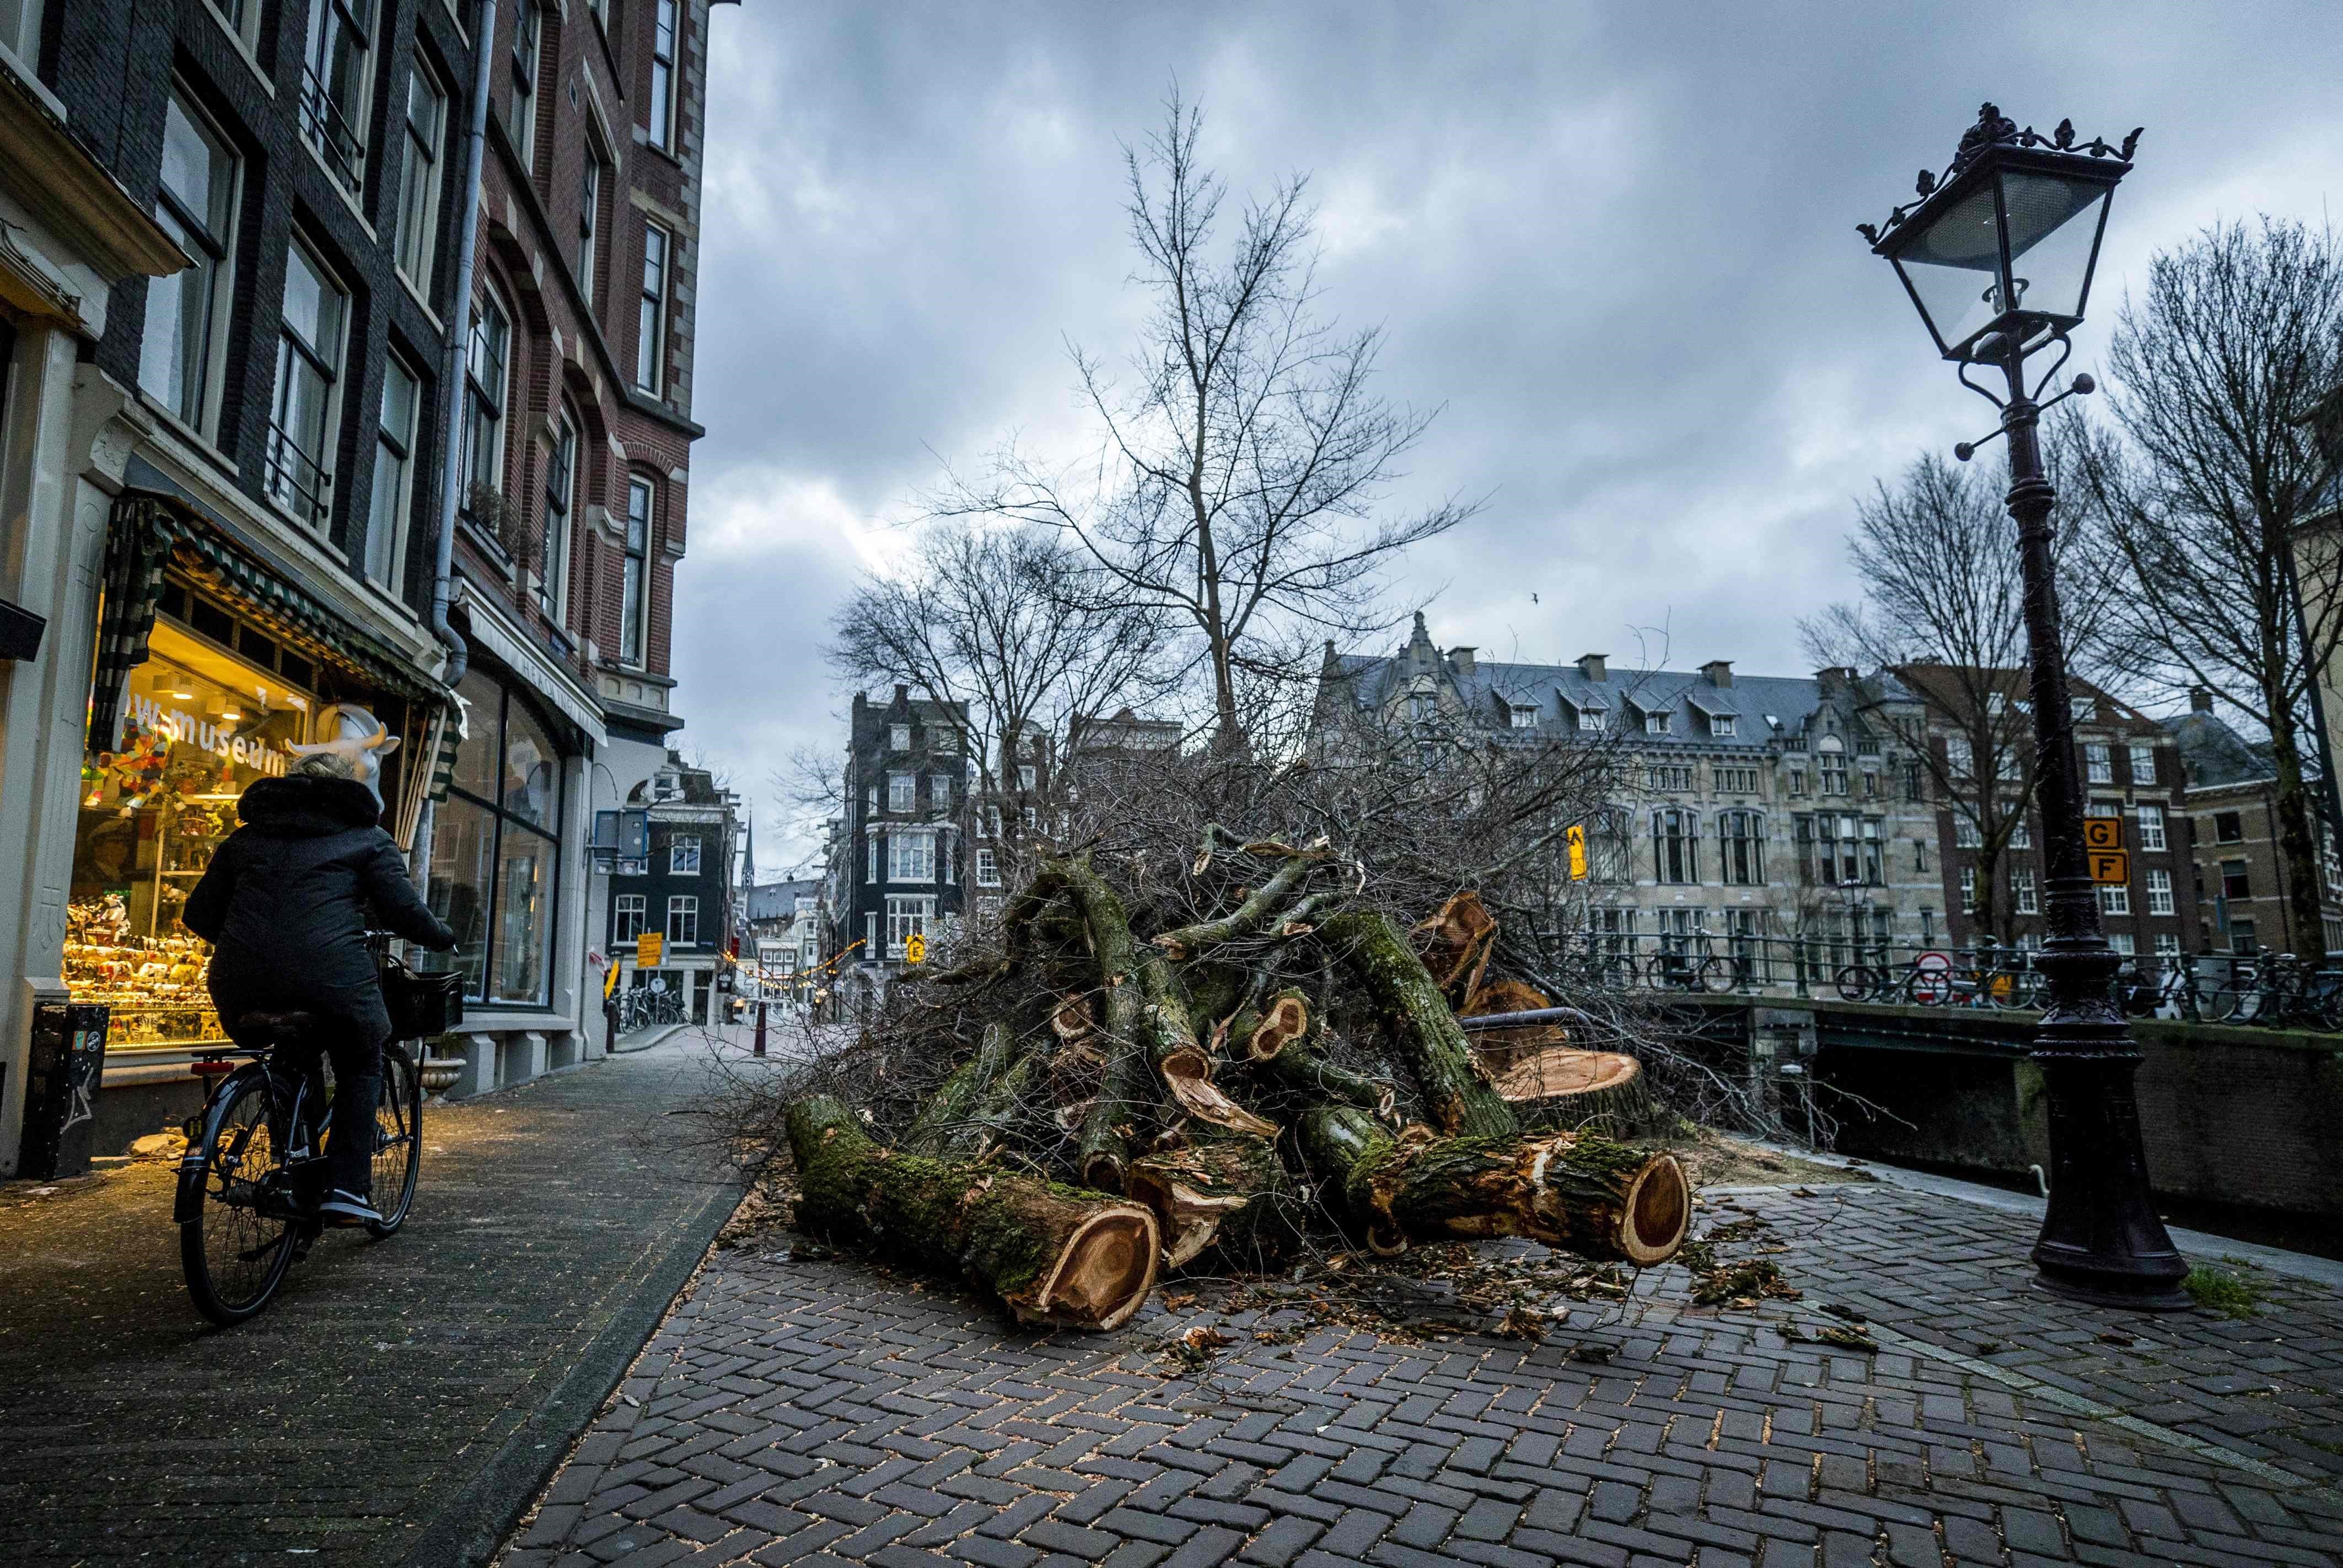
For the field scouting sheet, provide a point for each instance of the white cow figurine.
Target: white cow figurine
(358, 736)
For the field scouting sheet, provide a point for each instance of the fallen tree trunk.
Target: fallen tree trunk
(1259, 1036)
(1595, 1197)
(1595, 1090)
(1103, 1153)
(1307, 1072)
(1052, 1254)
(969, 1116)
(1420, 1024)
(1229, 1195)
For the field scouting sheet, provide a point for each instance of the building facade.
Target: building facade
(2234, 865)
(902, 858)
(682, 888)
(785, 933)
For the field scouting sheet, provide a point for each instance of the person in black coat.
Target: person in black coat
(285, 904)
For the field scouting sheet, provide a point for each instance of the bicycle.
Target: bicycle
(254, 1149)
(1688, 971)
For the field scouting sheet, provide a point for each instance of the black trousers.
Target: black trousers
(352, 1026)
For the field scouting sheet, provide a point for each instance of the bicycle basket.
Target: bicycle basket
(422, 1004)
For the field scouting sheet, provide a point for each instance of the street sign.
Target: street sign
(2103, 833)
(649, 947)
(915, 949)
(2112, 867)
(1576, 839)
(611, 982)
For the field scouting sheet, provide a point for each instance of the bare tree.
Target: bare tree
(2215, 372)
(1241, 468)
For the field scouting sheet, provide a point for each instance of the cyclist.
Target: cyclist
(284, 904)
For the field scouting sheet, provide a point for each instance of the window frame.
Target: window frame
(594, 179)
(1741, 848)
(988, 866)
(394, 453)
(661, 102)
(650, 310)
(2142, 750)
(557, 523)
(2160, 899)
(415, 246)
(2098, 762)
(634, 574)
(335, 108)
(686, 906)
(215, 252)
(327, 364)
(912, 856)
(1675, 847)
(677, 863)
(2151, 827)
(526, 61)
(504, 821)
(622, 906)
(479, 396)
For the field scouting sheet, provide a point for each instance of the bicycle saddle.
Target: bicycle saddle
(276, 1026)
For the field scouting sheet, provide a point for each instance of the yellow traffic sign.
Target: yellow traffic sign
(915, 949)
(1576, 839)
(611, 981)
(650, 948)
(2103, 833)
(2111, 866)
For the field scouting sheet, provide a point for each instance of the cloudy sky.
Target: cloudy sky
(1613, 242)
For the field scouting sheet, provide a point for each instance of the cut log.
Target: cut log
(1309, 1073)
(1188, 1073)
(1595, 1197)
(1229, 1197)
(1052, 1254)
(1102, 1153)
(1455, 943)
(1596, 1091)
(1421, 1026)
(1071, 1019)
(944, 1123)
(1259, 1036)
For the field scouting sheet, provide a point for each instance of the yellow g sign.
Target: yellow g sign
(915, 949)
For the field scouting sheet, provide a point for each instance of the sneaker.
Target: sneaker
(343, 1207)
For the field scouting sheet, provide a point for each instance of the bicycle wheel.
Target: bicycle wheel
(1716, 974)
(238, 1241)
(1857, 982)
(397, 1140)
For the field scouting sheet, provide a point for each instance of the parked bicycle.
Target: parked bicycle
(643, 1008)
(246, 1205)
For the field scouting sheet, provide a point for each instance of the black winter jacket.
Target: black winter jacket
(286, 899)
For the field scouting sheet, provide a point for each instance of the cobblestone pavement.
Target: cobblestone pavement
(797, 1410)
(400, 1398)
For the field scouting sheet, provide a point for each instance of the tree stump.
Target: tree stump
(1595, 1090)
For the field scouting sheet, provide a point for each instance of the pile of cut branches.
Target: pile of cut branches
(1116, 1080)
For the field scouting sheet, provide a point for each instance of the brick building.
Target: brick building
(902, 858)
(2235, 864)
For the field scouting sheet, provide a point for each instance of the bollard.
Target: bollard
(761, 1026)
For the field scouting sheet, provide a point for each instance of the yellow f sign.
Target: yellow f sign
(1576, 839)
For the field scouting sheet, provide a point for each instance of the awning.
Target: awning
(151, 533)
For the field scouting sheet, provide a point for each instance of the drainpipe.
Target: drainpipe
(451, 359)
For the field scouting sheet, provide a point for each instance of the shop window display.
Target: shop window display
(199, 725)
(495, 845)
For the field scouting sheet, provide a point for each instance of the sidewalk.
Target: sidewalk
(802, 1409)
(400, 1401)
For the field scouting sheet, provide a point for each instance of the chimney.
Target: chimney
(1832, 678)
(1719, 671)
(902, 695)
(2200, 700)
(1590, 665)
(1461, 658)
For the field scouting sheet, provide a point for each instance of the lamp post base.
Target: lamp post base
(2101, 1240)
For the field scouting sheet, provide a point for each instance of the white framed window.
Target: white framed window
(553, 523)
(2159, 891)
(988, 867)
(1960, 756)
(590, 222)
(903, 792)
(912, 856)
(1723, 724)
(1965, 834)
(683, 920)
(394, 472)
(337, 86)
(650, 315)
(2028, 901)
(634, 597)
(683, 856)
(870, 869)
(1589, 718)
(810, 954)
(1968, 889)
(626, 915)
(898, 738)
(663, 95)
(1026, 777)
(906, 917)
(870, 936)
(2168, 944)
(2151, 827)
(1834, 773)
(2114, 898)
(1656, 723)
(2021, 829)
(520, 106)
(939, 791)
(992, 821)
(2099, 761)
(1525, 716)
(488, 380)
(418, 175)
(1033, 819)
(300, 451)
(2121, 943)
(186, 313)
(2143, 763)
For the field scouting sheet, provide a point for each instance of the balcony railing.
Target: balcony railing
(327, 129)
(295, 480)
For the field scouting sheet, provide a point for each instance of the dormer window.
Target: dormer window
(1589, 718)
(1723, 724)
(898, 738)
(1525, 716)
(1656, 722)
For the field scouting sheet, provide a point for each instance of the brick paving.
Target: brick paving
(400, 1400)
(798, 1409)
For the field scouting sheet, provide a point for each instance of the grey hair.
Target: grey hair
(325, 765)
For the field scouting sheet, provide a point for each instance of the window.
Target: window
(185, 312)
(1525, 716)
(1656, 723)
(634, 606)
(2168, 944)
(627, 914)
(650, 317)
(2228, 827)
(1960, 756)
(496, 848)
(988, 867)
(1797, 780)
(683, 856)
(1968, 890)
(20, 28)
(2087, 709)
(1741, 848)
(2143, 763)
(1912, 782)
(2241, 936)
(2098, 762)
(590, 220)
(943, 742)
(2021, 827)
(485, 382)
(939, 789)
(662, 99)
(911, 857)
(903, 792)
(335, 86)
(683, 920)
(2235, 882)
(1919, 855)
(1608, 859)
(418, 180)
(1721, 723)
(394, 463)
(2114, 898)
(1965, 833)
(906, 918)
(1834, 769)
(1589, 718)
(2121, 944)
(898, 738)
(1675, 846)
(1668, 781)
(299, 475)
(2151, 827)
(1736, 780)
(1026, 775)
(2029, 903)
(870, 869)
(2159, 892)
(520, 107)
(553, 526)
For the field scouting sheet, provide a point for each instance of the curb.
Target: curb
(468, 1530)
(666, 1033)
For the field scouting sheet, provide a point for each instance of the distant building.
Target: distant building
(899, 858)
(784, 931)
(2237, 865)
(682, 888)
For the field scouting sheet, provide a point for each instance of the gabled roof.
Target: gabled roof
(2212, 754)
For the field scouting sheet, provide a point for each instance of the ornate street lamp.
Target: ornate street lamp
(1997, 256)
